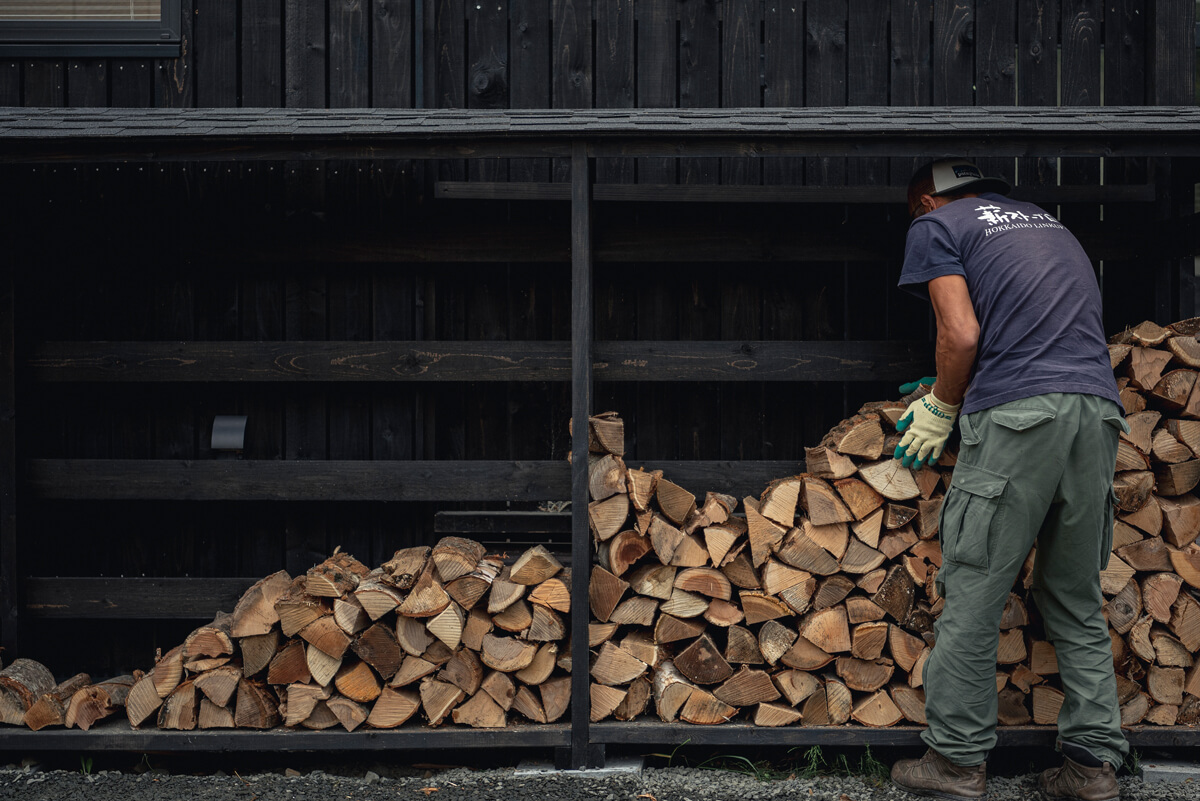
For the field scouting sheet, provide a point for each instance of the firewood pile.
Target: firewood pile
(458, 634)
(816, 604)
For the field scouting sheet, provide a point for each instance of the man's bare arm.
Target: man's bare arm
(957, 336)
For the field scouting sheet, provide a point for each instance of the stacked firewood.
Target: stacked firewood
(454, 632)
(817, 603)
(1154, 571)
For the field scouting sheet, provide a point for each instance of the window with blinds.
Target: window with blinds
(90, 28)
(76, 10)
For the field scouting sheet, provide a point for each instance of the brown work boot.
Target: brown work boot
(935, 775)
(1074, 780)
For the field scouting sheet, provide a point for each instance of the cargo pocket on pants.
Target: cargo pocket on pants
(1106, 530)
(968, 514)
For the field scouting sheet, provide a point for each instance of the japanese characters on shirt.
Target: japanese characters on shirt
(998, 219)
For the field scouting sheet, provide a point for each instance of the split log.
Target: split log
(428, 597)
(554, 593)
(255, 612)
(378, 647)
(703, 708)
(258, 650)
(910, 702)
(615, 666)
(674, 501)
(534, 566)
(529, 705)
(98, 701)
(21, 684)
(606, 477)
(746, 688)
(351, 714)
(219, 685)
(357, 682)
(779, 500)
(50, 708)
(608, 517)
(335, 577)
(702, 663)
(775, 715)
(556, 697)
(877, 710)
(180, 709)
(143, 700)
(212, 716)
(604, 701)
(438, 698)
(468, 590)
(480, 712)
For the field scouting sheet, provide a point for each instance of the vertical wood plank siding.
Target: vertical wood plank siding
(147, 269)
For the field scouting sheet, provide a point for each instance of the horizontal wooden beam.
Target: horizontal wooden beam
(501, 522)
(72, 135)
(699, 193)
(130, 598)
(115, 734)
(271, 480)
(647, 731)
(769, 240)
(293, 362)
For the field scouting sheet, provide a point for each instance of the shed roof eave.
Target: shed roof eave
(57, 135)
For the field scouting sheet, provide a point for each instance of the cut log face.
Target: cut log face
(779, 500)
(764, 534)
(534, 566)
(606, 477)
(890, 479)
(21, 684)
(255, 612)
(1180, 520)
(95, 702)
(615, 666)
(50, 708)
(823, 505)
(625, 549)
(674, 501)
(703, 708)
(702, 663)
(608, 517)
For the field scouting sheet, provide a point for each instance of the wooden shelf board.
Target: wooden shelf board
(646, 732)
(117, 735)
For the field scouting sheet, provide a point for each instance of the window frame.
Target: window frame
(95, 39)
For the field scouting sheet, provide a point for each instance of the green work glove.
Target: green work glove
(926, 425)
(911, 386)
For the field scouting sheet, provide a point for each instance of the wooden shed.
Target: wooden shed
(408, 240)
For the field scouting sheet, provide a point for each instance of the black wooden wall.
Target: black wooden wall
(289, 251)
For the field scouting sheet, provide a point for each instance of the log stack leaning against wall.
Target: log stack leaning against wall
(816, 604)
(460, 635)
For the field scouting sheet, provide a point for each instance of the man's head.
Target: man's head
(938, 182)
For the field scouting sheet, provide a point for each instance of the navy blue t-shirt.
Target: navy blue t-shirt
(1034, 292)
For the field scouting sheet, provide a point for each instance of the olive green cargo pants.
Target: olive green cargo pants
(1033, 470)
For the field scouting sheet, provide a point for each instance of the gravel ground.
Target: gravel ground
(37, 783)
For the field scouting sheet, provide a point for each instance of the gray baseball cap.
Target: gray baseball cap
(952, 176)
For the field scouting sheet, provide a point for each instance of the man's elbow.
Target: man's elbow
(962, 338)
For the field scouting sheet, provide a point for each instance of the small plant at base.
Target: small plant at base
(762, 771)
(85, 765)
(671, 756)
(871, 768)
(1133, 762)
(814, 762)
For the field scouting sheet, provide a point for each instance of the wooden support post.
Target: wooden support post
(1171, 49)
(581, 408)
(8, 470)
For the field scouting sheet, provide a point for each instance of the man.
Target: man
(1021, 355)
